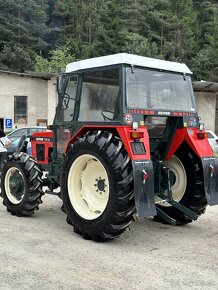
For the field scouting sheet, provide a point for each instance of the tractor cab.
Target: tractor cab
(125, 90)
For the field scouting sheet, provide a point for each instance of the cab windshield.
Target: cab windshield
(159, 90)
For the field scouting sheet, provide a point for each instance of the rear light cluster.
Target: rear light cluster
(136, 135)
(202, 135)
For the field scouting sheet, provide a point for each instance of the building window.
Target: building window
(20, 109)
(41, 122)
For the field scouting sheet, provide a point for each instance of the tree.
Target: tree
(80, 25)
(184, 31)
(22, 33)
(138, 44)
(205, 63)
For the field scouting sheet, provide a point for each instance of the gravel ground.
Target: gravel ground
(42, 252)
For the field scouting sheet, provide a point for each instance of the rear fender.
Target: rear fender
(201, 147)
(124, 133)
(203, 150)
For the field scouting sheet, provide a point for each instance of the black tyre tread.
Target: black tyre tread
(111, 149)
(34, 192)
(194, 197)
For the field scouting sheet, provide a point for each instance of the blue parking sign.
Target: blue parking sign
(8, 123)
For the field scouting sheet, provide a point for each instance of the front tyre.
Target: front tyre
(97, 186)
(21, 185)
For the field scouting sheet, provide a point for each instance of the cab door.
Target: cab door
(65, 114)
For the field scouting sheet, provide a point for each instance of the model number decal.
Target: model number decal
(163, 113)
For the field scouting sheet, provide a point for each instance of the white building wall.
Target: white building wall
(206, 106)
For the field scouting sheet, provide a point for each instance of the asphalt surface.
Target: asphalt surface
(43, 252)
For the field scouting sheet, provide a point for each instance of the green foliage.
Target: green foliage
(57, 59)
(22, 31)
(205, 61)
(137, 44)
(16, 58)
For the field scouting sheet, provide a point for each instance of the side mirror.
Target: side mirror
(59, 80)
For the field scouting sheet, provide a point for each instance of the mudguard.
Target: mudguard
(144, 188)
(210, 171)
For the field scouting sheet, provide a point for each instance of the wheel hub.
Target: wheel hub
(100, 185)
(16, 185)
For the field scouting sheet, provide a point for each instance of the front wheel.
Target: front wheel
(97, 186)
(21, 185)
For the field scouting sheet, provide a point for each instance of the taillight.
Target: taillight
(136, 135)
(202, 135)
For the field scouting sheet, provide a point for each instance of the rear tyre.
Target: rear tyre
(187, 187)
(97, 186)
(21, 185)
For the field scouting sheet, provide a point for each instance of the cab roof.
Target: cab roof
(131, 59)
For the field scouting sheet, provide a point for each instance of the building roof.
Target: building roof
(130, 59)
(41, 75)
(205, 86)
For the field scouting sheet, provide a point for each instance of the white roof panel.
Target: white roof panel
(128, 59)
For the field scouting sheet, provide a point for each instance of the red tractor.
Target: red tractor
(126, 143)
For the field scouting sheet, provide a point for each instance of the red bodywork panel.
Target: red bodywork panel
(42, 142)
(201, 147)
(124, 133)
(42, 145)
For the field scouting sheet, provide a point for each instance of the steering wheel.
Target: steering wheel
(104, 112)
